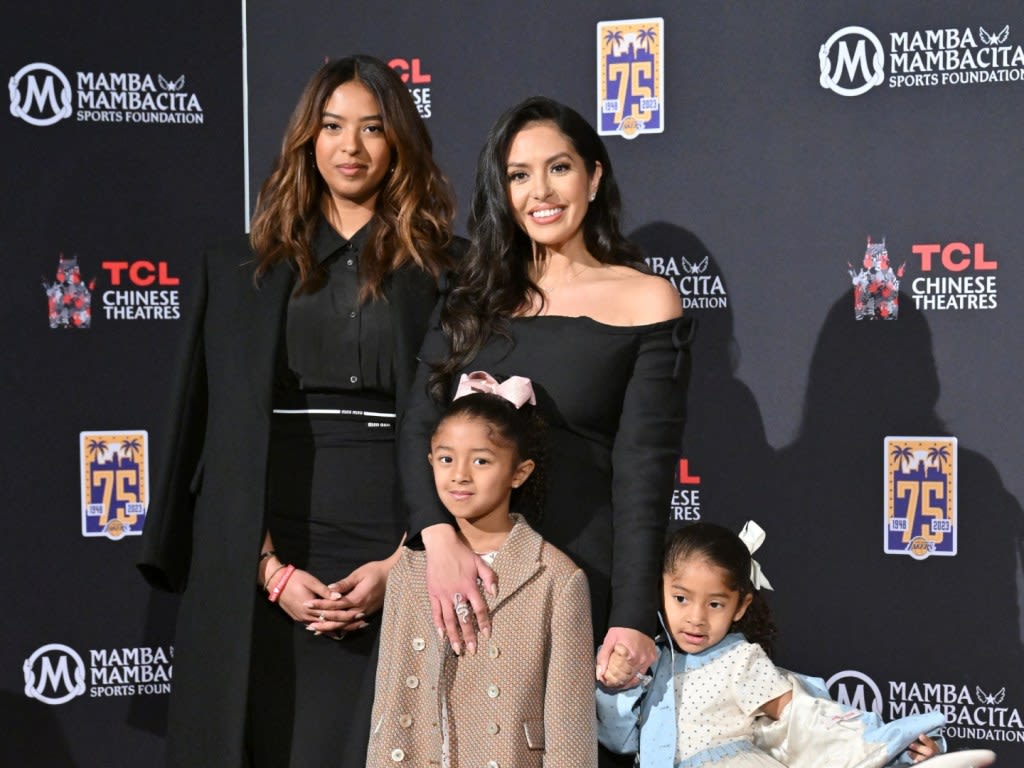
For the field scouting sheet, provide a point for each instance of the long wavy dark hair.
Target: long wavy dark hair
(494, 278)
(523, 429)
(720, 546)
(415, 207)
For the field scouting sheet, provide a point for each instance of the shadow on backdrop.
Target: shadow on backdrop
(724, 440)
(840, 602)
(33, 734)
(149, 713)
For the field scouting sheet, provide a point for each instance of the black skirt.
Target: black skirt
(331, 507)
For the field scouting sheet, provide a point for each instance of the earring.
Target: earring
(593, 196)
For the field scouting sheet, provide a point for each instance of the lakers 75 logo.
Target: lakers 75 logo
(920, 496)
(630, 77)
(115, 482)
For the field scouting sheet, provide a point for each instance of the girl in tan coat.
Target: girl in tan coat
(524, 697)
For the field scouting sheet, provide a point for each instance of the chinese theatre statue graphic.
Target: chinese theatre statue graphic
(69, 298)
(876, 286)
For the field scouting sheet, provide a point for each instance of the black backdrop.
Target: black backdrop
(757, 199)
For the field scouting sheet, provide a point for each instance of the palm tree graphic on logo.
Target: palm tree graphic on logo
(114, 482)
(903, 455)
(921, 496)
(130, 448)
(613, 38)
(938, 455)
(646, 37)
(96, 448)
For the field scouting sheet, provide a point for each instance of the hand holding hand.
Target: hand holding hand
(640, 655)
(619, 671)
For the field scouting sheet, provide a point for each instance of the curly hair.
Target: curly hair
(721, 547)
(494, 278)
(523, 429)
(414, 209)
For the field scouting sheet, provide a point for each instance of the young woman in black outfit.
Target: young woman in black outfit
(277, 479)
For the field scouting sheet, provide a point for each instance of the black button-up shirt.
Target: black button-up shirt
(333, 342)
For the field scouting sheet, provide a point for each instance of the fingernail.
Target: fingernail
(335, 595)
(440, 633)
(457, 649)
(307, 604)
(493, 590)
(309, 628)
(360, 615)
(486, 632)
(471, 647)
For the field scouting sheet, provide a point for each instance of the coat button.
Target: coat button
(412, 681)
(405, 721)
(493, 651)
(353, 379)
(493, 691)
(397, 755)
(418, 644)
(492, 729)
(492, 764)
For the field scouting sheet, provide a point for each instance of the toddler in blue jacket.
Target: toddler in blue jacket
(716, 697)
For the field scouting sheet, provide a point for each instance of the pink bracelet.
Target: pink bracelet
(276, 591)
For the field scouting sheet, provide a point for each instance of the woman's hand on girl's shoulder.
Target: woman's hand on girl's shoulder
(455, 575)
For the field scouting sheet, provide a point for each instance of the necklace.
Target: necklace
(572, 276)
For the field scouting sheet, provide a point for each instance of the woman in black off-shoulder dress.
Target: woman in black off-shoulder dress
(551, 290)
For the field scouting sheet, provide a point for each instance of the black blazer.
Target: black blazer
(205, 522)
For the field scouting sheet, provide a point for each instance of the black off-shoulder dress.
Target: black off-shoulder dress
(614, 399)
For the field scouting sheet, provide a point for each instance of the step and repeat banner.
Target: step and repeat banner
(834, 191)
(122, 144)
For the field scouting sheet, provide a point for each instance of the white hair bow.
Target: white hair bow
(753, 536)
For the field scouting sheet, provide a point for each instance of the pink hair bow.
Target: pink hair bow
(518, 390)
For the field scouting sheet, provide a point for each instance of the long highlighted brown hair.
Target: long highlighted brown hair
(415, 206)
